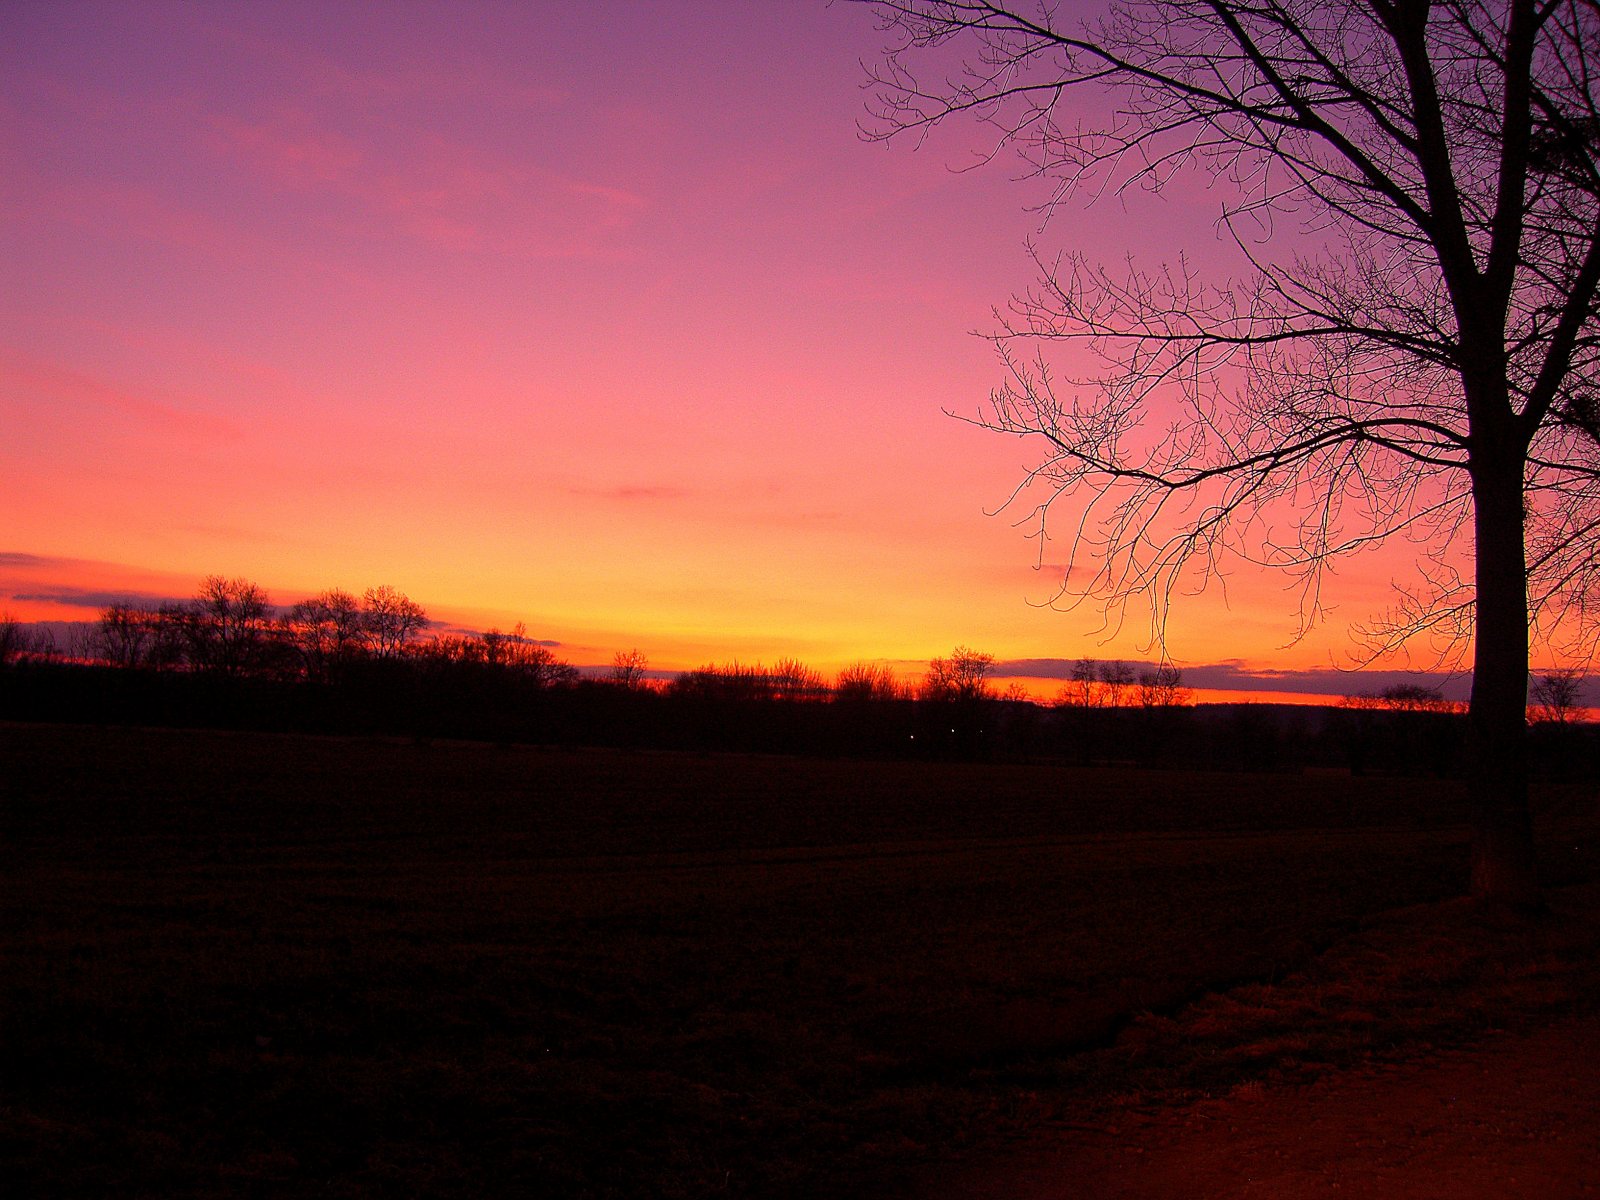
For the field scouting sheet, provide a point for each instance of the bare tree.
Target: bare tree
(13, 640)
(963, 677)
(1082, 689)
(391, 619)
(226, 626)
(863, 681)
(787, 679)
(734, 681)
(328, 630)
(173, 633)
(1095, 684)
(1417, 364)
(506, 650)
(124, 635)
(1117, 680)
(1414, 697)
(40, 644)
(518, 654)
(1558, 696)
(628, 668)
(793, 680)
(1162, 687)
(453, 650)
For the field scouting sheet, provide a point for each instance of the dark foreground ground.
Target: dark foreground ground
(240, 965)
(1514, 1114)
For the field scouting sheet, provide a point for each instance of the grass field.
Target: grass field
(243, 965)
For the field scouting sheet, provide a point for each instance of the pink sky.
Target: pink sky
(599, 317)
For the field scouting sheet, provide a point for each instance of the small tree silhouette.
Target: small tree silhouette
(328, 630)
(963, 677)
(390, 620)
(125, 635)
(1162, 687)
(865, 682)
(226, 628)
(1558, 697)
(628, 668)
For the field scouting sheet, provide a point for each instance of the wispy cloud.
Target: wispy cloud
(84, 584)
(60, 388)
(1331, 681)
(1239, 677)
(290, 148)
(431, 188)
(95, 599)
(633, 493)
(458, 630)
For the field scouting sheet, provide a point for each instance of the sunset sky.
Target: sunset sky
(598, 317)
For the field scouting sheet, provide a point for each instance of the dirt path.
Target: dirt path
(1515, 1116)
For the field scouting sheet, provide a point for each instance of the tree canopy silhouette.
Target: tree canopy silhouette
(963, 677)
(1416, 363)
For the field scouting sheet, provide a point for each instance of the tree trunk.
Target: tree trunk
(1502, 847)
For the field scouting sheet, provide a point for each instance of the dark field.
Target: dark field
(241, 964)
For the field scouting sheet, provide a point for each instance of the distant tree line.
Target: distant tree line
(375, 664)
(231, 628)
(1094, 684)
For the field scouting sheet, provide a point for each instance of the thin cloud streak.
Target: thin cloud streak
(1240, 677)
(98, 600)
(632, 492)
(58, 388)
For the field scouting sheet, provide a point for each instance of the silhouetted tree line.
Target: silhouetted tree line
(230, 628)
(338, 663)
